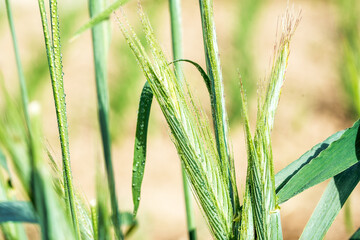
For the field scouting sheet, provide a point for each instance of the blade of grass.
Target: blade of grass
(55, 66)
(140, 144)
(24, 95)
(283, 176)
(100, 38)
(176, 37)
(100, 16)
(36, 74)
(201, 70)
(331, 202)
(336, 158)
(9, 230)
(17, 211)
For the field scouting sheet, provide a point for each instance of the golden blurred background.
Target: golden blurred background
(313, 105)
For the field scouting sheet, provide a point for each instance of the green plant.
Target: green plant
(53, 203)
(101, 40)
(349, 66)
(209, 165)
(53, 49)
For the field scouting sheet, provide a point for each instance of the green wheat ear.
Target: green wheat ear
(260, 189)
(191, 133)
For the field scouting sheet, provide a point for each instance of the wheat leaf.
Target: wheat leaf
(336, 158)
(53, 50)
(331, 202)
(201, 70)
(17, 211)
(100, 38)
(98, 18)
(283, 176)
(140, 144)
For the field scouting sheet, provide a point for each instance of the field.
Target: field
(313, 104)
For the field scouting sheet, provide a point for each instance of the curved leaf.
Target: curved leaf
(337, 157)
(140, 144)
(331, 202)
(289, 171)
(17, 211)
(200, 69)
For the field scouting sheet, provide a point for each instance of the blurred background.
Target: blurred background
(320, 95)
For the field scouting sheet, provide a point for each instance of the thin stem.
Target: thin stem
(214, 72)
(55, 67)
(190, 218)
(218, 100)
(176, 36)
(24, 95)
(100, 37)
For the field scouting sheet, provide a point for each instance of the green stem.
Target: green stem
(214, 72)
(55, 67)
(100, 37)
(218, 101)
(176, 36)
(24, 95)
(190, 218)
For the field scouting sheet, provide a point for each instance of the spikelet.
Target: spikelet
(191, 132)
